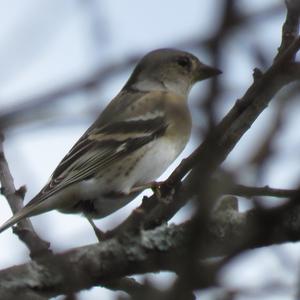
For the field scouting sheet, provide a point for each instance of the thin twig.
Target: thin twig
(14, 197)
(249, 191)
(290, 28)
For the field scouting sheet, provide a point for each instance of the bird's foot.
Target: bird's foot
(156, 188)
(153, 185)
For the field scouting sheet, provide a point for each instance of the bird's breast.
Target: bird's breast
(154, 159)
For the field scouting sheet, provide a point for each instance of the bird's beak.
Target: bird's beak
(205, 71)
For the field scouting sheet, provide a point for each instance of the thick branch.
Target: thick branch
(250, 191)
(89, 266)
(153, 250)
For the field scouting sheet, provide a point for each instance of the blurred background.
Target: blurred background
(63, 61)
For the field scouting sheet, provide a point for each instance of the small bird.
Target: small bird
(133, 141)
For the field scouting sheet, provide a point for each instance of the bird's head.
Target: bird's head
(169, 69)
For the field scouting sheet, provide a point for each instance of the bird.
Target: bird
(132, 142)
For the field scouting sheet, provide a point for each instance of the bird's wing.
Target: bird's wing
(99, 147)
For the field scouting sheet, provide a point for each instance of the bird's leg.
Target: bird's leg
(153, 185)
(99, 233)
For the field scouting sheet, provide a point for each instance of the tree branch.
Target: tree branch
(24, 229)
(290, 28)
(154, 250)
(88, 266)
(249, 191)
(128, 285)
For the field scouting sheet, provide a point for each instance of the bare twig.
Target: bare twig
(266, 151)
(290, 28)
(15, 197)
(247, 191)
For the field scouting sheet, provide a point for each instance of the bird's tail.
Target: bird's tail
(23, 213)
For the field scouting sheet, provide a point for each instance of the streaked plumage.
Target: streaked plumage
(134, 140)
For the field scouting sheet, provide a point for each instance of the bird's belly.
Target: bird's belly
(111, 191)
(153, 161)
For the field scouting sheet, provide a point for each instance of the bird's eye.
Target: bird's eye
(184, 62)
